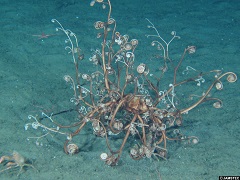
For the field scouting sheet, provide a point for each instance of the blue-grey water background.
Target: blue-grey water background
(31, 81)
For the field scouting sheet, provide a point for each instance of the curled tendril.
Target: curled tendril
(111, 21)
(232, 77)
(173, 33)
(67, 48)
(74, 100)
(218, 104)
(219, 85)
(134, 42)
(99, 25)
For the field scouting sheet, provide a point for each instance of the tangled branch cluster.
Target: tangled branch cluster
(120, 99)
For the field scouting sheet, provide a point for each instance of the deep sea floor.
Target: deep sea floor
(33, 63)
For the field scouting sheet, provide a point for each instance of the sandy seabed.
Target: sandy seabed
(31, 81)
